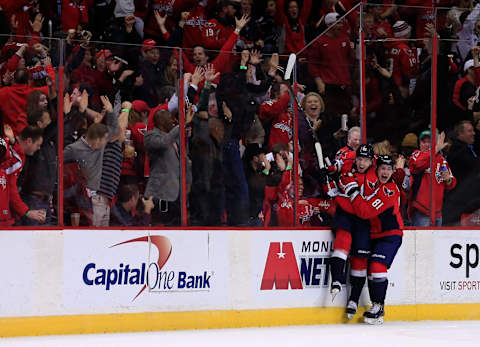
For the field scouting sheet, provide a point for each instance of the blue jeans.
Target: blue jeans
(421, 220)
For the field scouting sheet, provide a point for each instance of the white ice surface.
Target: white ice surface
(411, 334)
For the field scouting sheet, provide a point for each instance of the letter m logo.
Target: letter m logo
(281, 268)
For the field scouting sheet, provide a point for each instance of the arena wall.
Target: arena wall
(93, 281)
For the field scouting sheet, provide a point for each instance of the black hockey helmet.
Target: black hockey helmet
(365, 151)
(385, 160)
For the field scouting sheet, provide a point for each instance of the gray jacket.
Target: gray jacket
(164, 158)
(90, 160)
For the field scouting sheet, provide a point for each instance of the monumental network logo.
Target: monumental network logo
(283, 269)
(154, 275)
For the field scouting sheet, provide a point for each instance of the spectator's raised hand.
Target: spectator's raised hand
(273, 64)
(240, 23)
(400, 162)
(107, 105)
(227, 112)
(37, 23)
(255, 57)
(129, 22)
(244, 57)
(82, 107)
(8, 132)
(441, 144)
(210, 74)
(160, 20)
(265, 161)
(148, 204)
(189, 114)
(67, 104)
(47, 61)
(198, 75)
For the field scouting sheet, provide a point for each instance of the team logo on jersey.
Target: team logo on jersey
(388, 192)
(371, 185)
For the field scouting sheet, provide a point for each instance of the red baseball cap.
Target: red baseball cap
(140, 106)
(148, 44)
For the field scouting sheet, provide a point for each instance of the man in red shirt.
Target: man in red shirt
(419, 165)
(329, 60)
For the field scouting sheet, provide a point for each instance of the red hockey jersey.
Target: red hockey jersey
(382, 209)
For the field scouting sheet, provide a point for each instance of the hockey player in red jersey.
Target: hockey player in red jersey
(352, 233)
(382, 210)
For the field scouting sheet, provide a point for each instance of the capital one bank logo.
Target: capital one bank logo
(153, 275)
(282, 270)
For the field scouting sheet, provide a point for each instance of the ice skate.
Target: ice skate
(351, 309)
(335, 289)
(374, 315)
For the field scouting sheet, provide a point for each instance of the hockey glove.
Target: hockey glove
(349, 185)
(331, 188)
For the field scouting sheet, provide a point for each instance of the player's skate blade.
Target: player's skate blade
(351, 309)
(374, 315)
(335, 289)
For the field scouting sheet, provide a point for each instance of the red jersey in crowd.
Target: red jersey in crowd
(215, 34)
(10, 200)
(419, 195)
(329, 58)
(194, 26)
(74, 12)
(294, 34)
(402, 62)
(13, 102)
(277, 112)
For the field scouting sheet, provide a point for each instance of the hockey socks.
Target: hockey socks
(337, 267)
(358, 275)
(377, 282)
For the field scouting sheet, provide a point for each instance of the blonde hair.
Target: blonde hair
(382, 148)
(304, 101)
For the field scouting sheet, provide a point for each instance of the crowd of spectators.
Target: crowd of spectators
(126, 62)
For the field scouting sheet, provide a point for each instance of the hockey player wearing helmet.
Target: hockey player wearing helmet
(352, 233)
(381, 209)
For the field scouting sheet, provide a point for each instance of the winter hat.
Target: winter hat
(401, 29)
(331, 17)
(410, 140)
